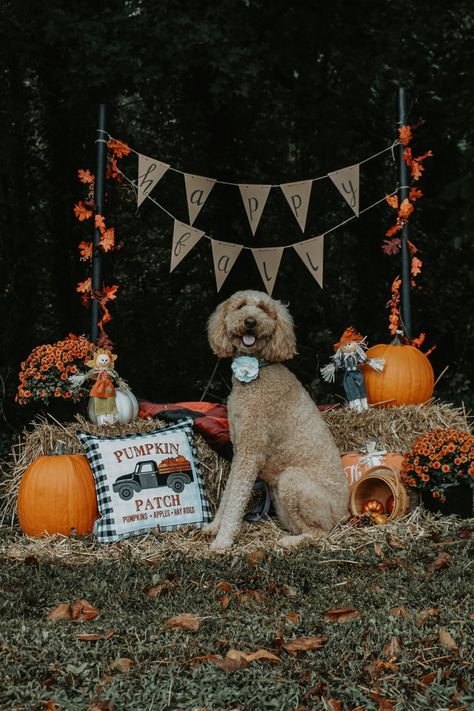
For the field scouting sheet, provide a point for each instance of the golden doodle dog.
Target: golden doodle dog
(276, 429)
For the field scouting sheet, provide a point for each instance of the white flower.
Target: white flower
(245, 368)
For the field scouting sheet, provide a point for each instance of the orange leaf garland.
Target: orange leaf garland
(415, 194)
(85, 176)
(85, 250)
(406, 208)
(81, 212)
(416, 265)
(100, 223)
(405, 135)
(118, 148)
(392, 201)
(393, 230)
(110, 292)
(107, 240)
(84, 287)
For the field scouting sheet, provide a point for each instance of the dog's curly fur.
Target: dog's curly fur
(276, 429)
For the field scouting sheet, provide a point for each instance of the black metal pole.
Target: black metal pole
(99, 191)
(404, 190)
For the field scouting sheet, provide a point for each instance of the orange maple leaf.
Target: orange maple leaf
(417, 342)
(100, 223)
(85, 250)
(396, 284)
(413, 248)
(118, 148)
(393, 230)
(109, 293)
(107, 241)
(405, 134)
(407, 156)
(84, 287)
(85, 176)
(416, 265)
(416, 169)
(392, 200)
(415, 194)
(112, 168)
(406, 208)
(81, 211)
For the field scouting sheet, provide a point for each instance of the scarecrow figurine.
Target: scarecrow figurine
(349, 354)
(103, 390)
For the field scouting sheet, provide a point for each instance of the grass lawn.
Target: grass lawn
(406, 644)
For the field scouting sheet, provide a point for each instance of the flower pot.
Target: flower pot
(458, 501)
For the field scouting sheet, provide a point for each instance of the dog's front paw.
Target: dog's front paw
(220, 544)
(210, 529)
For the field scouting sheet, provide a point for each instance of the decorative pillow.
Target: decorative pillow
(146, 481)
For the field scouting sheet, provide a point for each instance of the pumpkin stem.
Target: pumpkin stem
(397, 340)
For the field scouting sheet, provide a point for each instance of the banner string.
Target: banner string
(276, 185)
(287, 246)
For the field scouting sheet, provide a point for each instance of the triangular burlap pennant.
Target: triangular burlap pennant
(297, 195)
(197, 191)
(150, 171)
(311, 252)
(268, 260)
(254, 197)
(224, 255)
(184, 239)
(346, 181)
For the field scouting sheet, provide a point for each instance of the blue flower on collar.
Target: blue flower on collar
(245, 368)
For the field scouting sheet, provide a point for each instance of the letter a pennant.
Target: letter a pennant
(312, 253)
(150, 172)
(346, 181)
(268, 261)
(197, 191)
(254, 198)
(297, 195)
(224, 255)
(184, 239)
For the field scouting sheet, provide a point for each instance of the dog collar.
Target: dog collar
(247, 368)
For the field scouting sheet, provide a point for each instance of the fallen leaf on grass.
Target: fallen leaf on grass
(399, 612)
(255, 556)
(425, 614)
(235, 659)
(293, 617)
(304, 644)
(165, 586)
(393, 543)
(122, 664)
(227, 587)
(334, 705)
(447, 640)
(50, 705)
(77, 611)
(341, 614)
(378, 550)
(443, 560)
(93, 637)
(384, 703)
(466, 533)
(99, 705)
(392, 649)
(427, 679)
(224, 601)
(376, 668)
(184, 621)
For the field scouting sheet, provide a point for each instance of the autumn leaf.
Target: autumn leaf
(166, 586)
(399, 612)
(392, 201)
(94, 637)
(415, 194)
(255, 557)
(118, 148)
(227, 587)
(341, 614)
(81, 212)
(406, 208)
(107, 240)
(84, 287)
(425, 614)
(416, 265)
(304, 644)
(82, 610)
(392, 246)
(109, 293)
(413, 249)
(50, 705)
(392, 649)
(184, 621)
(99, 705)
(393, 230)
(224, 600)
(405, 135)
(61, 612)
(375, 669)
(416, 170)
(99, 222)
(122, 664)
(293, 617)
(417, 342)
(446, 640)
(428, 679)
(235, 659)
(85, 176)
(85, 251)
(334, 705)
(442, 560)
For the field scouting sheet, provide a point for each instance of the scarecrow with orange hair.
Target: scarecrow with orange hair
(103, 391)
(349, 355)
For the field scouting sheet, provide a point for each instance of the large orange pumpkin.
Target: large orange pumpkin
(56, 495)
(407, 377)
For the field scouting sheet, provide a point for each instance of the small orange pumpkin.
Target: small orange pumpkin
(407, 377)
(373, 506)
(56, 495)
(379, 519)
(389, 504)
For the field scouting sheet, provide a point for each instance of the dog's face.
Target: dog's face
(252, 323)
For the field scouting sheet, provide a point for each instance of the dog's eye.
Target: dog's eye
(240, 305)
(265, 307)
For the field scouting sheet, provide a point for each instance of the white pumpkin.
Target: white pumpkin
(127, 406)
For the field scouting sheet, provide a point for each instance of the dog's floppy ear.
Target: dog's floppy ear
(217, 333)
(282, 345)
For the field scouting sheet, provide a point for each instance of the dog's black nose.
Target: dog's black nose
(250, 322)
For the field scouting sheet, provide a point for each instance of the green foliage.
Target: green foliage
(241, 90)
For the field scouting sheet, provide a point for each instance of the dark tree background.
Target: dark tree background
(242, 90)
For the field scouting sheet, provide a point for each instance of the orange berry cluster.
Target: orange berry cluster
(45, 373)
(438, 460)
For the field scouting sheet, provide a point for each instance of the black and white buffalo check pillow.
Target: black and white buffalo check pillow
(146, 481)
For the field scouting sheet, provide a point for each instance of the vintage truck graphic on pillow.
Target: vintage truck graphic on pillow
(175, 473)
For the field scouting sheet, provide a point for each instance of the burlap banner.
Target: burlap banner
(311, 252)
(346, 181)
(297, 195)
(198, 188)
(224, 255)
(268, 262)
(150, 172)
(185, 238)
(254, 198)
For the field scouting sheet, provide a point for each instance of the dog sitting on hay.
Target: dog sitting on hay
(277, 431)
